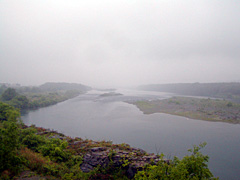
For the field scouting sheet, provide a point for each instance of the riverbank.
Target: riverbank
(63, 157)
(98, 156)
(195, 108)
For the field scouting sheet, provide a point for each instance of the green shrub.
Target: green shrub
(8, 112)
(33, 141)
(55, 149)
(190, 167)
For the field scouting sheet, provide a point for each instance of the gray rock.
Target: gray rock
(96, 149)
(99, 156)
(117, 160)
(141, 151)
(57, 137)
(86, 167)
(42, 133)
(76, 142)
(96, 159)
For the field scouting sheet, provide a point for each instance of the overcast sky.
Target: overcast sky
(119, 43)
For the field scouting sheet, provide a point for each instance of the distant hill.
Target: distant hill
(46, 87)
(54, 86)
(218, 90)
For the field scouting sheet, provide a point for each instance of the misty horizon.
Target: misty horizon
(119, 43)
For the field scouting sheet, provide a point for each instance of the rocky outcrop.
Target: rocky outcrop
(130, 161)
(105, 155)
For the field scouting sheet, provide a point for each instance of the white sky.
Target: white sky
(119, 42)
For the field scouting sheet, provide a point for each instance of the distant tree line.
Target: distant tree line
(46, 87)
(35, 100)
(219, 90)
(52, 87)
(47, 94)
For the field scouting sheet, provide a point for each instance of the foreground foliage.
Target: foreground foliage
(190, 167)
(9, 143)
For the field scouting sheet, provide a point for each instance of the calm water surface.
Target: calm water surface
(110, 118)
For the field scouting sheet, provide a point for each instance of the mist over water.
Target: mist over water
(119, 43)
(108, 118)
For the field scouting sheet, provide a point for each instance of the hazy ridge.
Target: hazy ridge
(230, 91)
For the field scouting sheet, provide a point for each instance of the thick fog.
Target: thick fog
(119, 43)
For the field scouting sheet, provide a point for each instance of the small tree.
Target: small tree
(193, 167)
(9, 94)
(8, 112)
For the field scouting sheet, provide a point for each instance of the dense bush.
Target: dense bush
(33, 141)
(190, 167)
(9, 139)
(8, 112)
(55, 149)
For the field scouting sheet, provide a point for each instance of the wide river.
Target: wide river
(96, 117)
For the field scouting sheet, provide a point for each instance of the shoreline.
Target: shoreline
(213, 110)
(102, 154)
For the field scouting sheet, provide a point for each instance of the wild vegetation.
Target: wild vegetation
(44, 154)
(195, 108)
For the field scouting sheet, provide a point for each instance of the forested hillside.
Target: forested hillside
(32, 97)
